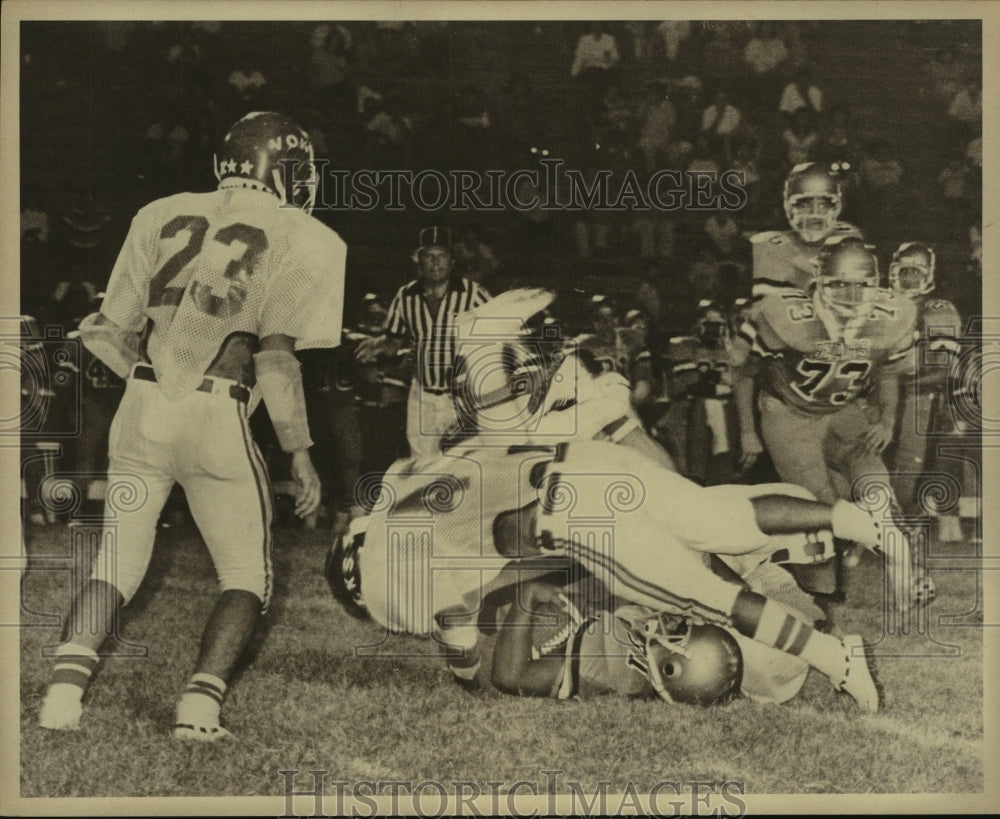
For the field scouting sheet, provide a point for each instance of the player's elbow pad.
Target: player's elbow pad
(115, 347)
(280, 380)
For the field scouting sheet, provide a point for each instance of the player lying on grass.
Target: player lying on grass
(448, 537)
(567, 642)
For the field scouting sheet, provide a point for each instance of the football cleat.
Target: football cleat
(60, 713)
(268, 151)
(812, 200)
(911, 270)
(847, 278)
(200, 733)
(857, 679)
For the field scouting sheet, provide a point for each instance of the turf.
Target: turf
(305, 701)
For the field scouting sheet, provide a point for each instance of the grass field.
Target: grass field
(304, 701)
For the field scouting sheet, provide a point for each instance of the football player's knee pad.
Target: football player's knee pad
(124, 571)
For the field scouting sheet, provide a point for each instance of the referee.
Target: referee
(422, 314)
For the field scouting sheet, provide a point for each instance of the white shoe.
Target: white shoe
(201, 733)
(60, 712)
(858, 680)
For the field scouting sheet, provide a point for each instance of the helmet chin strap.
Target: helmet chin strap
(839, 328)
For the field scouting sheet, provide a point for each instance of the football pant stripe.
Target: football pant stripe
(263, 485)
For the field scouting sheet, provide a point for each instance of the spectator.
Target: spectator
(703, 158)
(724, 234)
(475, 260)
(966, 109)
(656, 131)
(720, 121)
(801, 92)
(596, 50)
(746, 159)
(390, 134)
(839, 143)
(689, 108)
(247, 85)
(765, 56)
(672, 35)
(327, 69)
(881, 175)
(945, 75)
(801, 139)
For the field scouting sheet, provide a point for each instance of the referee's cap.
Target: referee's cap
(433, 237)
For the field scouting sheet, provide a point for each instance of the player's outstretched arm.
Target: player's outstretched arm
(280, 380)
(515, 670)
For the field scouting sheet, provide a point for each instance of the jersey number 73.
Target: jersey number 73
(832, 382)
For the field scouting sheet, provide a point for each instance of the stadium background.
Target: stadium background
(116, 114)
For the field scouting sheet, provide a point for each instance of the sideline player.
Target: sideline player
(210, 295)
(783, 259)
(814, 356)
(422, 314)
(911, 274)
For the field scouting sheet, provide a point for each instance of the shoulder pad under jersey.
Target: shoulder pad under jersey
(776, 237)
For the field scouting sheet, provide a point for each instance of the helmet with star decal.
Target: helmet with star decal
(268, 151)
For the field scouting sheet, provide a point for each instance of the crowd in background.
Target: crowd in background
(115, 114)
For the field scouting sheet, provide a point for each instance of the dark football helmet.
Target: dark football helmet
(911, 270)
(847, 277)
(693, 663)
(268, 151)
(711, 326)
(813, 200)
(343, 573)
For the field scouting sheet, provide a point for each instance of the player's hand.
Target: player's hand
(306, 483)
(368, 350)
(878, 437)
(751, 447)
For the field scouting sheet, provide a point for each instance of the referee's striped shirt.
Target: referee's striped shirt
(433, 336)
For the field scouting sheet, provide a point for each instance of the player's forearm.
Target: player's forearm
(514, 669)
(887, 396)
(743, 395)
(279, 377)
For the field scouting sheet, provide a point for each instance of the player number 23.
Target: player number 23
(167, 287)
(821, 377)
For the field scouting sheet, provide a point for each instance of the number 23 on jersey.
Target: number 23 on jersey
(228, 262)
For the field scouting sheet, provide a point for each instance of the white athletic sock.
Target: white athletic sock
(63, 704)
(201, 702)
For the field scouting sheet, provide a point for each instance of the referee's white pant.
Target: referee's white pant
(429, 415)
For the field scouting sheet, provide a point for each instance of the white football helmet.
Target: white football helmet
(847, 278)
(911, 270)
(813, 200)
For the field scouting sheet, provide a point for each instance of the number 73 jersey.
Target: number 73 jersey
(216, 272)
(805, 367)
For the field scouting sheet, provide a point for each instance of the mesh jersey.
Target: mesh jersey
(215, 272)
(806, 368)
(687, 363)
(782, 260)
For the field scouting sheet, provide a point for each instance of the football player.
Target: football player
(209, 298)
(699, 425)
(911, 274)
(783, 259)
(814, 356)
(593, 645)
(448, 539)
